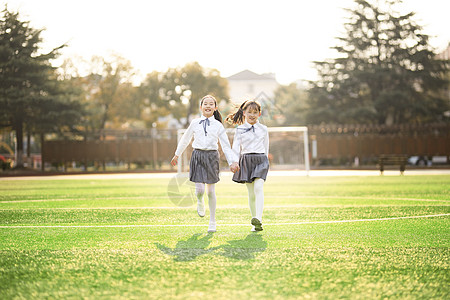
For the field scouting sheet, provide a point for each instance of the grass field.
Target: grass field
(371, 237)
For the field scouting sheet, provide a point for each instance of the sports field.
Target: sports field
(351, 237)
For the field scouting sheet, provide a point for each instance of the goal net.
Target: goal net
(288, 149)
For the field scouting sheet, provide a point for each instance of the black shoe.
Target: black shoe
(257, 223)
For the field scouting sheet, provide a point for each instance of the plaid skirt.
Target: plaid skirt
(204, 166)
(252, 166)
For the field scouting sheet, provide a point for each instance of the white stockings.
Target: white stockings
(256, 198)
(211, 190)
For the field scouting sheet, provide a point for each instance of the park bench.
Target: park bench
(396, 160)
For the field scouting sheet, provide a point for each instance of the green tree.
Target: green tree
(156, 98)
(292, 101)
(386, 72)
(31, 96)
(179, 90)
(107, 91)
(200, 82)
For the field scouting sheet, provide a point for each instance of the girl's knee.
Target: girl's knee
(258, 181)
(199, 189)
(259, 184)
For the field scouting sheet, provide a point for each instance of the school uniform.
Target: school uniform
(204, 164)
(252, 143)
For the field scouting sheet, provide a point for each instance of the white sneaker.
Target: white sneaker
(201, 209)
(253, 229)
(212, 227)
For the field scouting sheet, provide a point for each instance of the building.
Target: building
(249, 85)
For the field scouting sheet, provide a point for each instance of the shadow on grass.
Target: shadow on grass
(243, 249)
(194, 246)
(190, 249)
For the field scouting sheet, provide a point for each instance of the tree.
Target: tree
(155, 96)
(31, 97)
(386, 73)
(179, 90)
(200, 82)
(292, 101)
(108, 90)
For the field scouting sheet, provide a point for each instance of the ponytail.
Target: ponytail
(216, 113)
(238, 116)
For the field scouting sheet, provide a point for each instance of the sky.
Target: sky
(278, 36)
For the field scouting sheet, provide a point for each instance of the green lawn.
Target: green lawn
(324, 238)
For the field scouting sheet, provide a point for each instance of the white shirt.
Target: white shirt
(251, 139)
(206, 137)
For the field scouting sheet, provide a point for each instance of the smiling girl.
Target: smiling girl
(204, 165)
(251, 142)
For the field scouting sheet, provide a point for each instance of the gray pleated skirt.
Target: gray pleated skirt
(204, 166)
(252, 166)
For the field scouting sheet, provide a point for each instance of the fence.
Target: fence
(113, 146)
(369, 142)
(339, 142)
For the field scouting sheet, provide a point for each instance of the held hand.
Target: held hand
(174, 160)
(234, 167)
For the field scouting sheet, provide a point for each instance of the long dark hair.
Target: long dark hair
(216, 113)
(238, 116)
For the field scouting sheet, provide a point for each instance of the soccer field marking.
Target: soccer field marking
(205, 225)
(228, 175)
(228, 197)
(243, 206)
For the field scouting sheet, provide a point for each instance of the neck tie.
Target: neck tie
(250, 128)
(205, 123)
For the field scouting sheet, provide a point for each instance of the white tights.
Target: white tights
(256, 198)
(211, 190)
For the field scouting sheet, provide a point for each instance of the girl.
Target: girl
(204, 164)
(251, 141)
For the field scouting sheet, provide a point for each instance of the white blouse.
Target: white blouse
(251, 139)
(206, 132)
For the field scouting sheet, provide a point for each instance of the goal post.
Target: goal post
(303, 139)
(288, 149)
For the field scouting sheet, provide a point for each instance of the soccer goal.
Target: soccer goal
(288, 149)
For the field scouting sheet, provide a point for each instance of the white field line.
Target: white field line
(232, 197)
(243, 206)
(203, 225)
(226, 174)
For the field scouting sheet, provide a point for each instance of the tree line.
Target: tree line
(385, 73)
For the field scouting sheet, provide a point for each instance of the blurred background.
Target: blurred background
(89, 86)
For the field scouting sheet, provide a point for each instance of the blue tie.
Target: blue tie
(250, 128)
(205, 123)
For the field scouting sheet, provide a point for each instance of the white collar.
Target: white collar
(247, 124)
(210, 118)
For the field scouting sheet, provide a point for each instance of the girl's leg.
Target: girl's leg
(251, 199)
(259, 204)
(212, 207)
(252, 202)
(199, 192)
(259, 195)
(212, 202)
